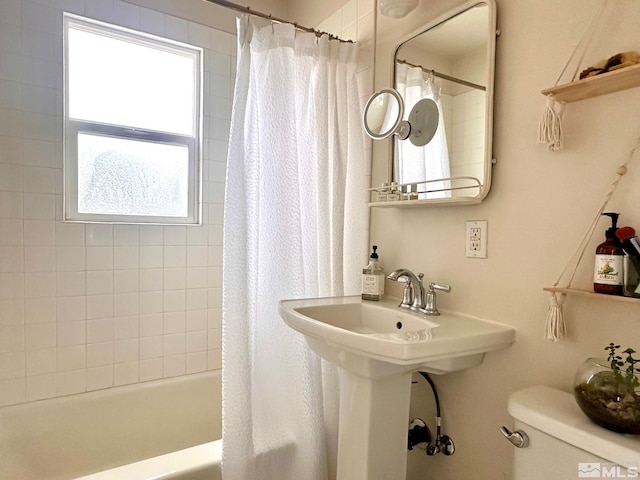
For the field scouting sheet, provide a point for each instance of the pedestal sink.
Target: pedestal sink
(377, 346)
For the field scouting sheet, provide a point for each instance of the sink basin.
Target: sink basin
(379, 338)
(368, 318)
(378, 345)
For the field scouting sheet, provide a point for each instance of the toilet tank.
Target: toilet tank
(564, 444)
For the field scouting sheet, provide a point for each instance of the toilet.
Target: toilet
(563, 443)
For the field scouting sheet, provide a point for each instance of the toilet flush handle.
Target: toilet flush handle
(518, 438)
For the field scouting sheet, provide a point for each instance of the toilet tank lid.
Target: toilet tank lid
(556, 413)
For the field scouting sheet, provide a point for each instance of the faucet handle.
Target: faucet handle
(407, 296)
(430, 307)
(443, 288)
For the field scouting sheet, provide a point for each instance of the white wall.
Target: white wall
(87, 306)
(539, 207)
(206, 13)
(311, 13)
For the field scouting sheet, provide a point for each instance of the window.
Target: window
(132, 126)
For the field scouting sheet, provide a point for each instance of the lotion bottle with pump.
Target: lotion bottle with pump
(373, 278)
(608, 274)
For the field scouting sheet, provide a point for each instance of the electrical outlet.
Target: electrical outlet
(476, 239)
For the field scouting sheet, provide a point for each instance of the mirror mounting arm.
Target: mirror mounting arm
(403, 131)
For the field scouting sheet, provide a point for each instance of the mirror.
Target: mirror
(382, 117)
(450, 62)
(383, 114)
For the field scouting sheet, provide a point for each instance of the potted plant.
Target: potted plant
(608, 390)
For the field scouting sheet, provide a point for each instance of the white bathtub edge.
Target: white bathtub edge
(163, 467)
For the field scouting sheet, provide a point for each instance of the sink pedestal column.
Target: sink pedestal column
(374, 417)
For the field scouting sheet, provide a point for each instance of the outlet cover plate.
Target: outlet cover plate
(476, 239)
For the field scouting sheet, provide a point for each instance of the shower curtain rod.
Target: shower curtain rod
(444, 76)
(271, 18)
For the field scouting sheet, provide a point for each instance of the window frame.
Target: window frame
(73, 127)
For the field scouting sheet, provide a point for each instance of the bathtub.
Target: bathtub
(165, 429)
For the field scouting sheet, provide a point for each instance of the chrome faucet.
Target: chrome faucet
(414, 296)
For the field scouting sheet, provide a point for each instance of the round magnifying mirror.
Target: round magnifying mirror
(424, 119)
(383, 114)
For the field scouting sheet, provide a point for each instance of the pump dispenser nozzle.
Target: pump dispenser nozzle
(611, 232)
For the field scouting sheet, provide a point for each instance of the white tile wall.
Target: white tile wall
(468, 132)
(89, 306)
(356, 21)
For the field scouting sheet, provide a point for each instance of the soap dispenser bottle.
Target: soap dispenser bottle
(373, 278)
(608, 274)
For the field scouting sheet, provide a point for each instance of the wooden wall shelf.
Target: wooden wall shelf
(622, 79)
(586, 293)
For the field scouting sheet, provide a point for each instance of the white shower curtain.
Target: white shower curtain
(294, 226)
(431, 161)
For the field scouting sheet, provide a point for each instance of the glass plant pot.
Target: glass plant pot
(608, 398)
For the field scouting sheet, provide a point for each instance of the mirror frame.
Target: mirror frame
(489, 160)
(394, 129)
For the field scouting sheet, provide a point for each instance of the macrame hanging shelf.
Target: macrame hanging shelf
(550, 126)
(555, 327)
(550, 134)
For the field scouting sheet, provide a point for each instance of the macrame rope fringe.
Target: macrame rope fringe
(556, 329)
(550, 126)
